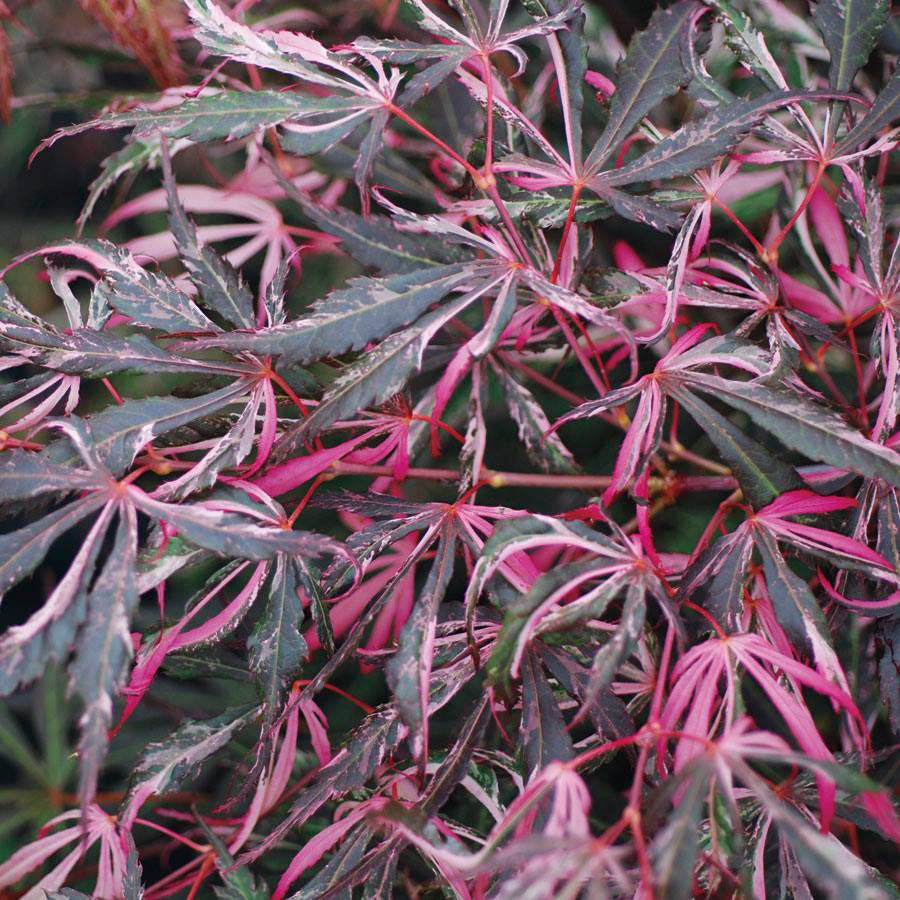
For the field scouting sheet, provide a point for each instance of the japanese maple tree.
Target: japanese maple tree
(484, 482)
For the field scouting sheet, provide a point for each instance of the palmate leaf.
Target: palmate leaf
(366, 309)
(363, 751)
(850, 29)
(304, 58)
(52, 625)
(382, 372)
(229, 450)
(804, 426)
(832, 867)
(651, 71)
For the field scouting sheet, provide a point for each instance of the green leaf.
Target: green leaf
(574, 49)
(301, 141)
(277, 648)
(698, 143)
(620, 645)
(221, 288)
(725, 595)
(545, 448)
(543, 736)
(502, 310)
(152, 300)
(49, 633)
(104, 650)
(834, 869)
(363, 751)
(120, 432)
(380, 373)
(850, 29)
(761, 475)
(408, 671)
(804, 426)
(794, 603)
(749, 45)
(608, 712)
(166, 765)
(135, 156)
(22, 550)
(516, 616)
(343, 861)
(888, 637)
(230, 115)
(229, 534)
(674, 850)
(430, 78)
(455, 765)
(239, 884)
(509, 536)
(366, 309)
(651, 71)
(25, 474)
(369, 149)
(883, 112)
(374, 241)
(224, 36)
(428, 21)
(103, 353)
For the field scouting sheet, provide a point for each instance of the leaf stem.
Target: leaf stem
(570, 220)
(501, 479)
(771, 252)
